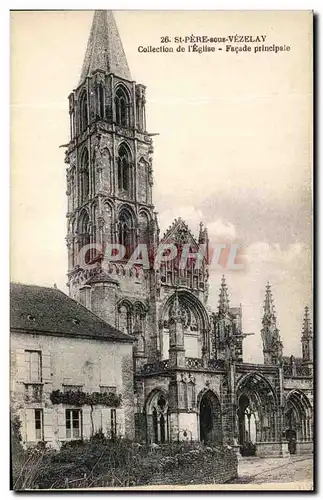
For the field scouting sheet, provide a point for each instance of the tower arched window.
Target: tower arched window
(125, 232)
(85, 181)
(122, 107)
(100, 100)
(123, 169)
(84, 117)
(84, 238)
(72, 125)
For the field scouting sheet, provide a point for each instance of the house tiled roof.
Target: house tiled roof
(37, 309)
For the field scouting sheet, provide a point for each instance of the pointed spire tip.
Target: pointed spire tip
(104, 49)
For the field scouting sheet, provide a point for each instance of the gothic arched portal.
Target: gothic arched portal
(298, 424)
(256, 412)
(210, 418)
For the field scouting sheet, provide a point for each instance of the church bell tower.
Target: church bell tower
(109, 180)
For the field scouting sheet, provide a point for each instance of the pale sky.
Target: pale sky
(234, 148)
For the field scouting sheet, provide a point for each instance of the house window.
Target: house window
(33, 366)
(39, 425)
(113, 413)
(107, 389)
(73, 424)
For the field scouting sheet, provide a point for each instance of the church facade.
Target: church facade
(190, 381)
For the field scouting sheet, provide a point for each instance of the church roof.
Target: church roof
(39, 309)
(104, 49)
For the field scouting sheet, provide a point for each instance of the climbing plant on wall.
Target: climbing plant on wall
(80, 398)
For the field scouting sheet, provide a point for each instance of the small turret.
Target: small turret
(203, 239)
(223, 307)
(272, 344)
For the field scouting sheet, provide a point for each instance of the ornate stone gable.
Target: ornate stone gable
(178, 233)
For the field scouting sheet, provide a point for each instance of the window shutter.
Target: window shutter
(21, 365)
(30, 425)
(35, 366)
(61, 424)
(120, 420)
(97, 419)
(48, 424)
(46, 368)
(106, 421)
(86, 420)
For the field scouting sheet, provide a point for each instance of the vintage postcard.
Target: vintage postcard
(161, 330)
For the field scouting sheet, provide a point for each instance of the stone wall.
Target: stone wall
(85, 363)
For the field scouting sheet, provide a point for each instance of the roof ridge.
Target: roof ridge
(31, 284)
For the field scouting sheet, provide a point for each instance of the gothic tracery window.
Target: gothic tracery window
(84, 176)
(72, 125)
(84, 237)
(100, 100)
(125, 232)
(122, 107)
(157, 411)
(123, 169)
(143, 228)
(84, 117)
(139, 327)
(124, 318)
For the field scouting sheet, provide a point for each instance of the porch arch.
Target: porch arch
(157, 415)
(298, 418)
(209, 417)
(257, 412)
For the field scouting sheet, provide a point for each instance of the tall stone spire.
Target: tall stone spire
(307, 328)
(272, 345)
(307, 337)
(223, 297)
(201, 233)
(104, 49)
(269, 316)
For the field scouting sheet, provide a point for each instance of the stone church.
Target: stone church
(190, 381)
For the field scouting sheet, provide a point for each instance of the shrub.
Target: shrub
(104, 462)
